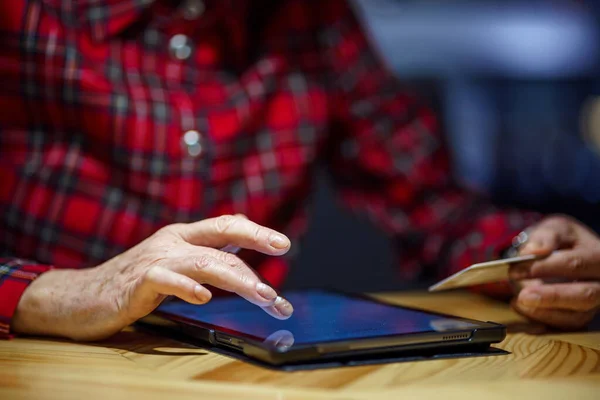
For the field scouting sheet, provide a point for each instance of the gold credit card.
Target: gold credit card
(477, 274)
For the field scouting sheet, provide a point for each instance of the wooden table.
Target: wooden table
(133, 365)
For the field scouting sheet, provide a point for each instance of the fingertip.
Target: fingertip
(273, 312)
(280, 242)
(281, 309)
(284, 307)
(202, 294)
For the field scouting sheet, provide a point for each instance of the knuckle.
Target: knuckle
(171, 229)
(560, 219)
(260, 234)
(181, 282)
(152, 274)
(230, 259)
(202, 262)
(247, 280)
(177, 226)
(223, 223)
(257, 233)
(169, 234)
(164, 230)
(576, 264)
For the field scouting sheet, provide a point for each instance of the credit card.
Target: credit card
(477, 274)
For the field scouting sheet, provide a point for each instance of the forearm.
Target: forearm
(389, 160)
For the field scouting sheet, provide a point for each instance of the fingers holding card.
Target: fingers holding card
(477, 274)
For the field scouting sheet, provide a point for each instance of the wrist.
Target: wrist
(65, 303)
(32, 315)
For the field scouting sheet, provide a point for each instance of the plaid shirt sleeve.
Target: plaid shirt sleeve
(15, 276)
(390, 161)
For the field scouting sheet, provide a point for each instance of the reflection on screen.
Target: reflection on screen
(318, 317)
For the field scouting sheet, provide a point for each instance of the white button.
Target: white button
(192, 9)
(191, 141)
(180, 47)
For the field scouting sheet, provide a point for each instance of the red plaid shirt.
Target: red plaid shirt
(118, 117)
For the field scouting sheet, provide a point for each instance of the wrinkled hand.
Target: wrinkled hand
(561, 290)
(177, 260)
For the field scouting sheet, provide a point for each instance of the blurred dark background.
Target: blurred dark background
(516, 85)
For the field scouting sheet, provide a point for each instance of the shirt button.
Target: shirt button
(180, 47)
(191, 142)
(192, 9)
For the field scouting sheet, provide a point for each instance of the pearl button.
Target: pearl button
(191, 141)
(180, 47)
(192, 9)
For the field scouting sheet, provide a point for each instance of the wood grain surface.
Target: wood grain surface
(132, 365)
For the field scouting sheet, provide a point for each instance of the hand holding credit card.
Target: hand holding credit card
(477, 274)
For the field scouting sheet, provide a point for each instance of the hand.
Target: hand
(177, 260)
(563, 289)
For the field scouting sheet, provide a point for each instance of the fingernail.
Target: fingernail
(284, 306)
(529, 299)
(266, 291)
(201, 295)
(279, 242)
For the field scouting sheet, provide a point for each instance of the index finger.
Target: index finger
(228, 272)
(237, 231)
(571, 264)
(551, 234)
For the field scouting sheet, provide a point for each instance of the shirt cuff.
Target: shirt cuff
(15, 277)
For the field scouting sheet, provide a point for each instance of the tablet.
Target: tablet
(325, 325)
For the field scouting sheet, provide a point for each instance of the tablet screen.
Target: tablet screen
(319, 316)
